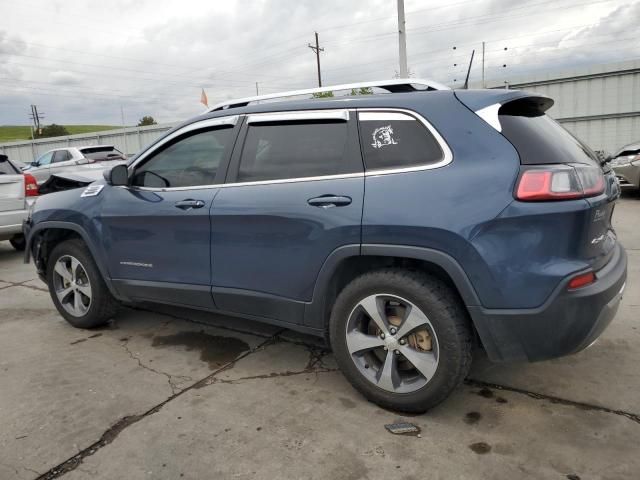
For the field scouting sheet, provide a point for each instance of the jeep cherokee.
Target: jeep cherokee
(404, 227)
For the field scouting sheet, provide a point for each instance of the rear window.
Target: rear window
(101, 153)
(274, 151)
(396, 140)
(7, 169)
(538, 138)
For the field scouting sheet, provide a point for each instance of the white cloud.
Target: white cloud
(81, 61)
(62, 77)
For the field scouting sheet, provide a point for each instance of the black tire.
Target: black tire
(448, 317)
(18, 242)
(103, 305)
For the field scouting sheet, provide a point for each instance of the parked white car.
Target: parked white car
(17, 191)
(74, 160)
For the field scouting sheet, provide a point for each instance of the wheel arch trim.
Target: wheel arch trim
(314, 310)
(93, 248)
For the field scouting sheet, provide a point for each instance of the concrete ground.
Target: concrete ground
(173, 393)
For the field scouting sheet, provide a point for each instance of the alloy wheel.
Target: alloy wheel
(72, 286)
(392, 343)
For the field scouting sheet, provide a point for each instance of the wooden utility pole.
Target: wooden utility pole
(466, 80)
(402, 41)
(316, 48)
(483, 84)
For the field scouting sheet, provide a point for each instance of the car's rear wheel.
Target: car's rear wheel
(18, 242)
(76, 286)
(402, 338)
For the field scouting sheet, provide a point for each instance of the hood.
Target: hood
(67, 181)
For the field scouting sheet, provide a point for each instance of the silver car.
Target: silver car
(17, 191)
(626, 165)
(74, 160)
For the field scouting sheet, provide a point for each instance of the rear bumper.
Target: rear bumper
(567, 322)
(628, 176)
(11, 223)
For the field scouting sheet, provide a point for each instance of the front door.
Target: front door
(294, 195)
(157, 232)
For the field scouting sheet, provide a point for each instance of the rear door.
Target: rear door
(11, 189)
(62, 162)
(293, 195)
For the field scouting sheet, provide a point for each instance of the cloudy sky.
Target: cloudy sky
(82, 62)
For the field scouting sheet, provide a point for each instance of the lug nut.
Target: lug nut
(385, 348)
(402, 341)
(393, 331)
(382, 336)
(397, 352)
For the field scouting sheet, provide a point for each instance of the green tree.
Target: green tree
(361, 91)
(147, 120)
(52, 130)
(322, 95)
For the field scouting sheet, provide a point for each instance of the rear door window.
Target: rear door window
(396, 140)
(297, 149)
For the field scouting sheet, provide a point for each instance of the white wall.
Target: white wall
(127, 140)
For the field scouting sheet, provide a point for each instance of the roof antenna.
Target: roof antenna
(466, 80)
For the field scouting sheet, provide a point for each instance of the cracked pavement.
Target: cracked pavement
(171, 393)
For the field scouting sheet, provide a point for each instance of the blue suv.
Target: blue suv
(405, 227)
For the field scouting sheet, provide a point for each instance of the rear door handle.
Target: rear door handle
(328, 201)
(189, 203)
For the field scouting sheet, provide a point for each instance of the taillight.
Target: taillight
(30, 185)
(560, 182)
(581, 280)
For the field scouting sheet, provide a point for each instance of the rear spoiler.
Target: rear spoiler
(487, 103)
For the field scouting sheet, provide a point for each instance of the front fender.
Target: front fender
(33, 231)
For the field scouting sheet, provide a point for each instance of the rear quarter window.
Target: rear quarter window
(101, 153)
(7, 169)
(538, 138)
(396, 140)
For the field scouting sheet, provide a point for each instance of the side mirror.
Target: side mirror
(118, 176)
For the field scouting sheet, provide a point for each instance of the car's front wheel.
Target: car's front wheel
(402, 338)
(76, 286)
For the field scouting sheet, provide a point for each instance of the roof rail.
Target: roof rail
(394, 85)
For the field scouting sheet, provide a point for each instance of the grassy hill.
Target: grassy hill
(11, 133)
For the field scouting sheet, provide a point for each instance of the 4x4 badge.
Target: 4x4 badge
(383, 136)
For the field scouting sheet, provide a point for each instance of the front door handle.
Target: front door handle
(328, 201)
(189, 203)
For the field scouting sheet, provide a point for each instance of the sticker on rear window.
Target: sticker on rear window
(383, 136)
